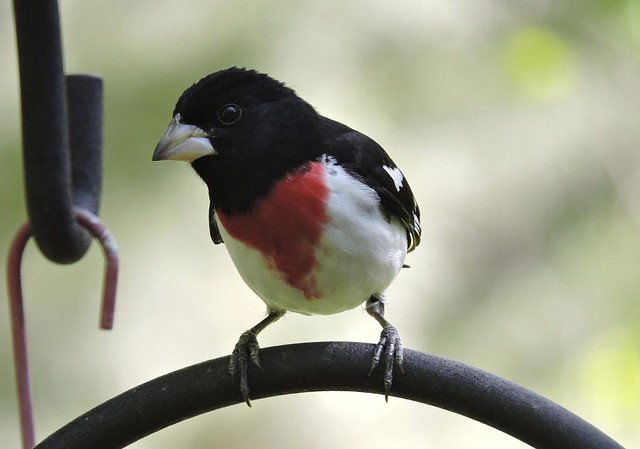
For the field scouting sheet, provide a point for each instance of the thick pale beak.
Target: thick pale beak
(182, 142)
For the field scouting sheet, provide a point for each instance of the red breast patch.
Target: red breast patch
(286, 226)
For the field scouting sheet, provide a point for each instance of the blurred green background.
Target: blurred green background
(517, 123)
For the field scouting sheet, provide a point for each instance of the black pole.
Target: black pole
(325, 366)
(85, 104)
(46, 133)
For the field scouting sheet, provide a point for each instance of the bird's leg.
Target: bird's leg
(389, 343)
(247, 348)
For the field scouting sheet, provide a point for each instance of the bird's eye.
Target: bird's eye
(229, 114)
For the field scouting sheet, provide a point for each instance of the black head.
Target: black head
(197, 104)
(241, 130)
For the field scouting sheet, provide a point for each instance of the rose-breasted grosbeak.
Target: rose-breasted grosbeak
(316, 217)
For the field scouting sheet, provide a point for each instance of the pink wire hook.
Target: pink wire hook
(108, 243)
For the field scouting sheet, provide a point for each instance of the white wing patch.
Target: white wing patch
(416, 222)
(396, 175)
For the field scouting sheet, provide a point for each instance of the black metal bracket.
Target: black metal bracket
(62, 158)
(338, 366)
(61, 134)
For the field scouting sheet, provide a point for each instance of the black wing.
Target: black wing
(213, 226)
(366, 159)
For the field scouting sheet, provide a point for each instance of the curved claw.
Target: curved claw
(391, 344)
(246, 349)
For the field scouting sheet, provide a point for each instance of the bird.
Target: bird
(315, 215)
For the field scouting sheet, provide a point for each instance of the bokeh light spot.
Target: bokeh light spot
(539, 63)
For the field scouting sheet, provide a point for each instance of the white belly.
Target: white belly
(359, 254)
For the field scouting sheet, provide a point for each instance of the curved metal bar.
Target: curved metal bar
(14, 282)
(324, 366)
(21, 362)
(50, 144)
(110, 249)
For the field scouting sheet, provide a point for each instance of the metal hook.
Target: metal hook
(108, 243)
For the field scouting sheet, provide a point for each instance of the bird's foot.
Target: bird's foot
(390, 346)
(246, 349)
